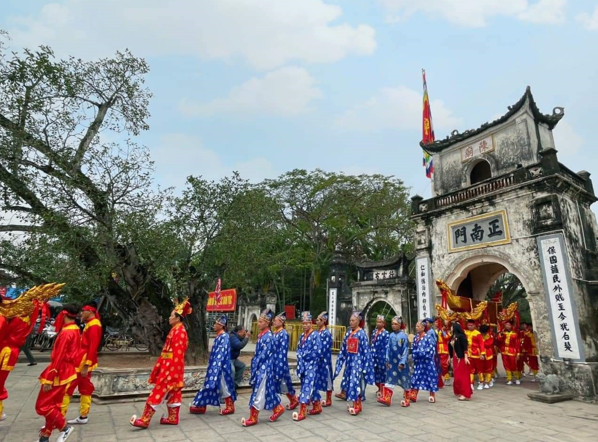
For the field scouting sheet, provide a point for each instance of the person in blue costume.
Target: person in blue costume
(425, 373)
(379, 342)
(218, 386)
(282, 372)
(325, 372)
(264, 394)
(355, 355)
(429, 328)
(397, 368)
(309, 354)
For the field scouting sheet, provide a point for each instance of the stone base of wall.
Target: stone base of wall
(130, 384)
(580, 379)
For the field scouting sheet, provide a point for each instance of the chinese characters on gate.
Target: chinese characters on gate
(424, 303)
(383, 274)
(477, 149)
(480, 231)
(559, 297)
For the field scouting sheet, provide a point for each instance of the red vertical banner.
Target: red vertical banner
(427, 129)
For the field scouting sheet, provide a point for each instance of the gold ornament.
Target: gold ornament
(25, 304)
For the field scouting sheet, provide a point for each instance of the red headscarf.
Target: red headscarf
(59, 322)
(91, 308)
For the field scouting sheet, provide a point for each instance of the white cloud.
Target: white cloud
(475, 13)
(395, 108)
(180, 155)
(590, 22)
(287, 91)
(265, 33)
(566, 140)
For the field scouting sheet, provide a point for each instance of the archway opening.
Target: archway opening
(379, 307)
(492, 281)
(480, 172)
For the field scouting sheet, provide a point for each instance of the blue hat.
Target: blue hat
(282, 316)
(267, 314)
(222, 320)
(324, 316)
(306, 317)
(357, 314)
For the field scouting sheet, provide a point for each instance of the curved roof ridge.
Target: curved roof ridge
(550, 120)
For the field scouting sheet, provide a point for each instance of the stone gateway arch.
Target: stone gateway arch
(502, 202)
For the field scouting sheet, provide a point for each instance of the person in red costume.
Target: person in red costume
(508, 342)
(485, 377)
(87, 362)
(444, 332)
(529, 351)
(13, 335)
(476, 351)
(168, 373)
(57, 376)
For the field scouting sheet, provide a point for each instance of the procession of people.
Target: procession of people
(389, 359)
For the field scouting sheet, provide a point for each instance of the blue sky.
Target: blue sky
(266, 86)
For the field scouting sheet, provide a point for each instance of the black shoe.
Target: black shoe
(32, 364)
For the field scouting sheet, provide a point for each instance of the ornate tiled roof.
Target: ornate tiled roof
(378, 264)
(550, 120)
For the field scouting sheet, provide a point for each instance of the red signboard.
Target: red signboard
(290, 311)
(225, 301)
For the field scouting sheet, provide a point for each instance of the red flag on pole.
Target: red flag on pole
(427, 129)
(218, 290)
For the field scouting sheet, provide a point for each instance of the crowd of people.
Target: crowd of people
(388, 359)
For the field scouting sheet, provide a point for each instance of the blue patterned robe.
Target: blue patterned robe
(263, 396)
(325, 373)
(359, 367)
(282, 373)
(309, 354)
(379, 344)
(397, 354)
(425, 373)
(219, 379)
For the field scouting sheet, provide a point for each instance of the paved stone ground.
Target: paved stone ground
(502, 413)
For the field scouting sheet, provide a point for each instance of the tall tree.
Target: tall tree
(69, 190)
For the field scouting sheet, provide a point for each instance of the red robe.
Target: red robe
(475, 349)
(14, 334)
(529, 351)
(444, 337)
(88, 355)
(168, 374)
(59, 374)
(508, 342)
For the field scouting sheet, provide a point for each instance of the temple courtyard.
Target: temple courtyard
(501, 413)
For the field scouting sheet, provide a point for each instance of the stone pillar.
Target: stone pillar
(549, 160)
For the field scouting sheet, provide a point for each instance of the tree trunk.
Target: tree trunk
(198, 351)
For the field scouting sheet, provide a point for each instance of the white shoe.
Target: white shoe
(78, 421)
(448, 383)
(2, 417)
(64, 435)
(517, 382)
(524, 375)
(533, 379)
(486, 386)
(491, 384)
(480, 386)
(510, 383)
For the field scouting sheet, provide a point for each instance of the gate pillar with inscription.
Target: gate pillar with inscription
(504, 203)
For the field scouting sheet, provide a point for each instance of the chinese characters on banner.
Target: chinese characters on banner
(477, 149)
(490, 229)
(332, 307)
(384, 274)
(224, 301)
(424, 299)
(558, 291)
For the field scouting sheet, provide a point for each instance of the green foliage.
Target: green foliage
(512, 291)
